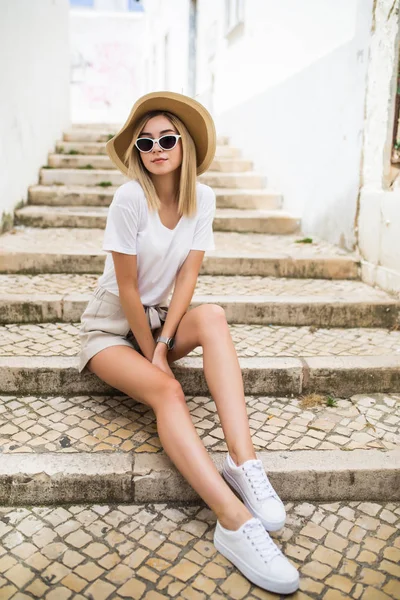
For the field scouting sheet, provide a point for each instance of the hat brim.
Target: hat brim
(194, 115)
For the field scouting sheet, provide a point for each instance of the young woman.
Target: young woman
(159, 225)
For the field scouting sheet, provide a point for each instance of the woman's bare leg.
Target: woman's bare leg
(128, 371)
(206, 326)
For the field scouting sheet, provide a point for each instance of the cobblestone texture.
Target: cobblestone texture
(106, 423)
(155, 551)
(216, 285)
(61, 339)
(55, 240)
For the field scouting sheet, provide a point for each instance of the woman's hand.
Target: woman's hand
(160, 359)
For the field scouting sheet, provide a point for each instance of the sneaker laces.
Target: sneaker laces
(256, 533)
(259, 480)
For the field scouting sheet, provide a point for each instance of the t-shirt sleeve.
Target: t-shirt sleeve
(203, 238)
(122, 225)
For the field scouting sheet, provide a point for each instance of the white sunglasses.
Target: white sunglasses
(166, 142)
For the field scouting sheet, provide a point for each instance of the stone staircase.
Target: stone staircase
(319, 351)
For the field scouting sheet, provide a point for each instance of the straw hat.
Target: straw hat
(194, 115)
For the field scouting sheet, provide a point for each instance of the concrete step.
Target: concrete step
(73, 148)
(251, 300)
(92, 177)
(337, 375)
(100, 134)
(33, 250)
(103, 126)
(61, 195)
(353, 305)
(336, 452)
(88, 135)
(82, 161)
(242, 181)
(90, 148)
(252, 221)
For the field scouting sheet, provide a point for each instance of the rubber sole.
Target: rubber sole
(251, 574)
(268, 526)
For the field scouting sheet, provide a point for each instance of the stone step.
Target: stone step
(242, 181)
(251, 300)
(92, 177)
(155, 551)
(90, 148)
(289, 436)
(61, 195)
(335, 375)
(226, 219)
(350, 310)
(102, 125)
(33, 250)
(100, 134)
(82, 161)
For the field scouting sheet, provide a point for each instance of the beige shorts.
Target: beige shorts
(103, 324)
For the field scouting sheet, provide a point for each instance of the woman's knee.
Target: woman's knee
(171, 392)
(211, 313)
(211, 318)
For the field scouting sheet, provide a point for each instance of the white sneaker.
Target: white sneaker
(256, 491)
(253, 552)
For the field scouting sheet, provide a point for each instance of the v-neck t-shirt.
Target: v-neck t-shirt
(133, 228)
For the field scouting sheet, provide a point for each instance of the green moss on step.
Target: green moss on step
(20, 204)
(331, 401)
(7, 222)
(105, 183)
(306, 240)
(86, 167)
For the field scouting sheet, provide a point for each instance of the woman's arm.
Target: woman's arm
(185, 284)
(126, 273)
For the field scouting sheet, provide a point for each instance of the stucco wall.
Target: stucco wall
(34, 102)
(290, 91)
(379, 220)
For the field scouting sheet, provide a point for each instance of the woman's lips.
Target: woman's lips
(159, 160)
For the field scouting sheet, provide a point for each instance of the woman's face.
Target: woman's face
(172, 159)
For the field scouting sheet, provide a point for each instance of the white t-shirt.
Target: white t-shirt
(132, 228)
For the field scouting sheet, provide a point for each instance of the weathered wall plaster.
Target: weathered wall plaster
(379, 216)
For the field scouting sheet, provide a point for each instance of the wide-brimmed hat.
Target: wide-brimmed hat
(194, 115)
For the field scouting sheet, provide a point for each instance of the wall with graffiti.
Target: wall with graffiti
(107, 65)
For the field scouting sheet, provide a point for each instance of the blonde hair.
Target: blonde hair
(187, 201)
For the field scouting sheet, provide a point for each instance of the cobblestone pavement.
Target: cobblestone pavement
(206, 285)
(107, 423)
(79, 240)
(61, 339)
(154, 551)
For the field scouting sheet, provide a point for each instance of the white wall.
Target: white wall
(290, 91)
(107, 64)
(34, 98)
(379, 221)
(162, 18)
